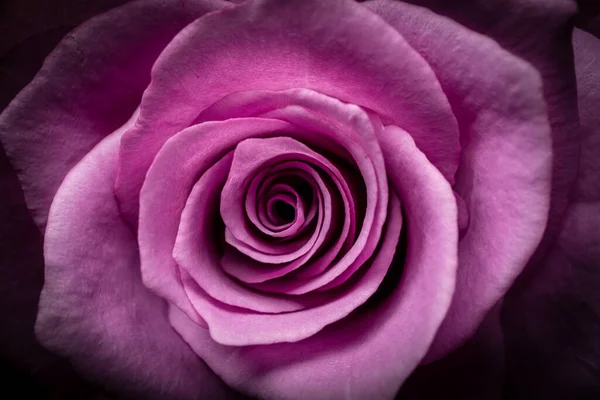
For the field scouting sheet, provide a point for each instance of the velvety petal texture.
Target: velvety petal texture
(504, 175)
(88, 87)
(193, 267)
(94, 309)
(357, 357)
(538, 31)
(277, 45)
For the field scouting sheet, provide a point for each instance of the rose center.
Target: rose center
(281, 212)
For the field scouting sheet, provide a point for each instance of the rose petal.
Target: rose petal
(335, 47)
(538, 31)
(504, 174)
(239, 327)
(261, 203)
(258, 151)
(88, 87)
(179, 163)
(250, 156)
(94, 309)
(250, 271)
(370, 352)
(268, 217)
(552, 319)
(196, 251)
(349, 126)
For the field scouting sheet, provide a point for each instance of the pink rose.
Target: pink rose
(310, 199)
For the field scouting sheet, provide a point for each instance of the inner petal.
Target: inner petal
(238, 327)
(337, 124)
(250, 270)
(197, 252)
(281, 209)
(250, 158)
(298, 184)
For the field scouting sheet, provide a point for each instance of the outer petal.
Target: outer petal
(587, 52)
(335, 47)
(94, 308)
(504, 173)
(86, 89)
(26, 367)
(552, 321)
(369, 353)
(538, 31)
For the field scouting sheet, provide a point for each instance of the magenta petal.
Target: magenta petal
(252, 271)
(250, 156)
(180, 162)
(88, 87)
(264, 212)
(94, 308)
(196, 250)
(538, 31)
(504, 176)
(239, 327)
(338, 48)
(368, 354)
(337, 125)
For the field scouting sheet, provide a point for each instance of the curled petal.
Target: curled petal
(504, 176)
(185, 157)
(196, 250)
(239, 327)
(336, 47)
(250, 156)
(94, 309)
(369, 353)
(555, 314)
(340, 125)
(250, 271)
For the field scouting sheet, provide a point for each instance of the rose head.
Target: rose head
(293, 199)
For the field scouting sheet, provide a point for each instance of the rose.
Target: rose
(61, 323)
